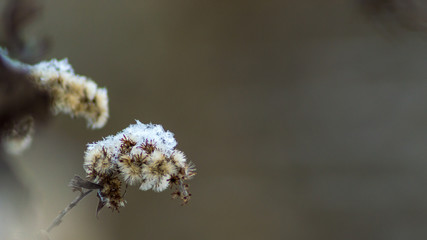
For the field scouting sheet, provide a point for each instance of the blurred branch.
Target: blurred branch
(19, 97)
(407, 14)
(76, 184)
(58, 219)
(16, 16)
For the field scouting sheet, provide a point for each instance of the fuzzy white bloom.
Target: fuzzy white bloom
(72, 94)
(142, 154)
(139, 133)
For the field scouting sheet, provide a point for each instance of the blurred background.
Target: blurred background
(305, 119)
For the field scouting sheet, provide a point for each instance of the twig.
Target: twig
(58, 219)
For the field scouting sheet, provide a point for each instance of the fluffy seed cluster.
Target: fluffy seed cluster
(141, 154)
(71, 93)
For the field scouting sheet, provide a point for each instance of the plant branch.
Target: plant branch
(58, 219)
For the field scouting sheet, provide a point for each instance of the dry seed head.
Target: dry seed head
(127, 145)
(157, 172)
(159, 165)
(68, 92)
(72, 94)
(130, 167)
(97, 162)
(110, 193)
(138, 153)
(147, 146)
(190, 170)
(161, 184)
(179, 158)
(142, 154)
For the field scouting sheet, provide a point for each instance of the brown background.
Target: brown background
(305, 120)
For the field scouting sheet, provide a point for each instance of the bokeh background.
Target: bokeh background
(304, 119)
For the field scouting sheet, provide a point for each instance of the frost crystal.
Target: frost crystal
(141, 154)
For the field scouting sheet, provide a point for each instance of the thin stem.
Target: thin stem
(58, 219)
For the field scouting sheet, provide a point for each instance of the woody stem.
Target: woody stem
(58, 219)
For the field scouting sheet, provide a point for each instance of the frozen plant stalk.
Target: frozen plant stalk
(69, 93)
(141, 154)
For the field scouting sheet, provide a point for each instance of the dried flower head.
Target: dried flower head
(66, 92)
(141, 154)
(71, 93)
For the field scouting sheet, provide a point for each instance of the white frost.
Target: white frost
(140, 133)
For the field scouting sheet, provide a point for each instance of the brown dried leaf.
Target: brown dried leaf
(78, 183)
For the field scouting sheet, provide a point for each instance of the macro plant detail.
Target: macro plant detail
(69, 93)
(141, 154)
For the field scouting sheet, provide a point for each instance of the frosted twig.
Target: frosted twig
(66, 92)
